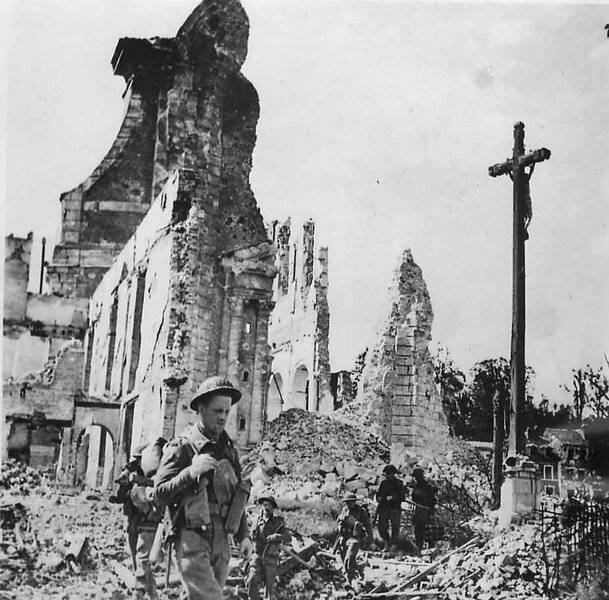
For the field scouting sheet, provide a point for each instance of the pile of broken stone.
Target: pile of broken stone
(18, 477)
(304, 456)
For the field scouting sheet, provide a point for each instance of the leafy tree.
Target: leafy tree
(589, 389)
(451, 384)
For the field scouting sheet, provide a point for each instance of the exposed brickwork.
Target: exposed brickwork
(397, 384)
(192, 287)
(300, 323)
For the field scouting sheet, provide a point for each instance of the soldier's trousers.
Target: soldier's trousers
(262, 571)
(203, 561)
(393, 516)
(145, 586)
(421, 519)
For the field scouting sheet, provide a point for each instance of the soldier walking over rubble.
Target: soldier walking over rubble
(268, 533)
(424, 498)
(354, 531)
(200, 480)
(135, 493)
(390, 496)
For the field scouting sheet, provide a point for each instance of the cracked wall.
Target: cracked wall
(397, 384)
(300, 322)
(189, 295)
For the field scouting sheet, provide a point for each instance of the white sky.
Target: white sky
(379, 120)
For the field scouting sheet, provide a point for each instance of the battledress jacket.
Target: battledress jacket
(173, 481)
(265, 528)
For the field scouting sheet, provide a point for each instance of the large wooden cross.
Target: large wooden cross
(515, 168)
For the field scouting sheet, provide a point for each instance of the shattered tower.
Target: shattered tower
(397, 385)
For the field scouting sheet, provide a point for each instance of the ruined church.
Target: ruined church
(165, 274)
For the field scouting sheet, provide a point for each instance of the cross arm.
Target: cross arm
(521, 161)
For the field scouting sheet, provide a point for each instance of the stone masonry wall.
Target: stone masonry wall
(190, 294)
(300, 323)
(397, 385)
(17, 253)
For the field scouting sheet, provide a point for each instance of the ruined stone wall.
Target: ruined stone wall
(35, 326)
(47, 402)
(397, 386)
(17, 253)
(300, 323)
(189, 295)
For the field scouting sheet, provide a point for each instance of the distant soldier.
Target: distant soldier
(424, 498)
(200, 480)
(269, 532)
(390, 496)
(354, 532)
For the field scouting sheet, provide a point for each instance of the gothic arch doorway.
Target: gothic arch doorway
(300, 388)
(274, 404)
(95, 458)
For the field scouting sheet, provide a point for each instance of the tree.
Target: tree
(451, 385)
(589, 391)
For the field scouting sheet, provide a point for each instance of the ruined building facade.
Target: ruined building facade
(165, 244)
(189, 294)
(300, 322)
(397, 386)
(41, 362)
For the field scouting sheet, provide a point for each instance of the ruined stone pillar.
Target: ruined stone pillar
(260, 375)
(234, 346)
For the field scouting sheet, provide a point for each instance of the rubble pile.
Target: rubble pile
(305, 456)
(509, 566)
(60, 547)
(18, 478)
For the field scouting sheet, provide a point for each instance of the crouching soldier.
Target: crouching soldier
(146, 520)
(270, 531)
(199, 479)
(354, 532)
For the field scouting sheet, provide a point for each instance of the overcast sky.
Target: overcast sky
(379, 120)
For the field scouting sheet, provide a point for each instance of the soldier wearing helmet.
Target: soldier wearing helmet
(390, 496)
(200, 480)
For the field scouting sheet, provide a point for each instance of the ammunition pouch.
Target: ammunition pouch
(237, 506)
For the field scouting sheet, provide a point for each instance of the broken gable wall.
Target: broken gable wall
(300, 322)
(209, 265)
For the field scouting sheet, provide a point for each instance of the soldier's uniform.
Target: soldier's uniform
(202, 549)
(390, 495)
(263, 565)
(354, 532)
(145, 523)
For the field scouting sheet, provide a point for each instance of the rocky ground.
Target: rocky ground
(63, 544)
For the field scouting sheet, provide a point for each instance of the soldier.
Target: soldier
(390, 496)
(200, 478)
(125, 483)
(269, 532)
(354, 531)
(424, 498)
(146, 520)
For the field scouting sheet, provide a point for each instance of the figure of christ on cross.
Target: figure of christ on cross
(515, 168)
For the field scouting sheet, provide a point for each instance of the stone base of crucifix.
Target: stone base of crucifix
(519, 491)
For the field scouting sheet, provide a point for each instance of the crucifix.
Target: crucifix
(515, 168)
